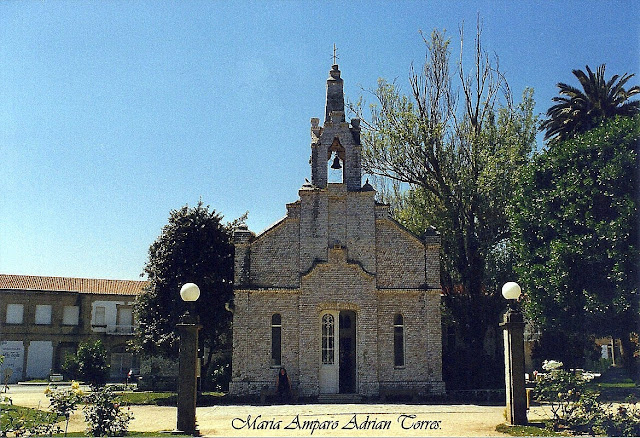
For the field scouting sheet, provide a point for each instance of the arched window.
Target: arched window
(276, 340)
(398, 340)
(328, 339)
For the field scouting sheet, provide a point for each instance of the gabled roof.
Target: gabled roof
(68, 284)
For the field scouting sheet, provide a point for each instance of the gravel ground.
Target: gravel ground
(308, 420)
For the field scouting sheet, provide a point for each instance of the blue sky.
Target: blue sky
(113, 113)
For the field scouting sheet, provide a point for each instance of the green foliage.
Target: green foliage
(168, 398)
(218, 374)
(158, 366)
(562, 390)
(526, 430)
(21, 421)
(63, 401)
(103, 413)
(89, 364)
(193, 247)
(460, 156)
(71, 367)
(575, 221)
(575, 349)
(575, 406)
(158, 373)
(149, 398)
(577, 111)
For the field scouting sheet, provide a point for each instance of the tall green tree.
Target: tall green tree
(459, 155)
(194, 247)
(578, 111)
(89, 363)
(575, 221)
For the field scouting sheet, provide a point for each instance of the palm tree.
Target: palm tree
(578, 111)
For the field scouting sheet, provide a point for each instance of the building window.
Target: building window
(276, 340)
(328, 339)
(14, 313)
(43, 314)
(124, 320)
(99, 316)
(398, 340)
(70, 315)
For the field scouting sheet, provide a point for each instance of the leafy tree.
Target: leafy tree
(89, 363)
(575, 220)
(460, 169)
(193, 247)
(579, 111)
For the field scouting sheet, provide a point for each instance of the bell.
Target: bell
(336, 163)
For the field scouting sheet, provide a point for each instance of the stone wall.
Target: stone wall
(422, 337)
(56, 336)
(274, 256)
(313, 231)
(251, 366)
(337, 284)
(400, 259)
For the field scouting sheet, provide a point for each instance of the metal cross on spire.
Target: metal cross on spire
(335, 54)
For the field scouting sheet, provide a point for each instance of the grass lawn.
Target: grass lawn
(167, 398)
(16, 412)
(148, 398)
(21, 418)
(530, 430)
(615, 385)
(29, 416)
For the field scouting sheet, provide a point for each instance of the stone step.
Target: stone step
(339, 398)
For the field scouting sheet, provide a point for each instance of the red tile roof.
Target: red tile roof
(66, 284)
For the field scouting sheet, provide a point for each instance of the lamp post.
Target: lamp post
(187, 366)
(513, 326)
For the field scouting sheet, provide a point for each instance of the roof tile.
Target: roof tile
(68, 284)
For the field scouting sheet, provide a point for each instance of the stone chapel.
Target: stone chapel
(337, 292)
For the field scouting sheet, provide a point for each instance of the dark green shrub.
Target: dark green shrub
(89, 364)
(70, 367)
(218, 375)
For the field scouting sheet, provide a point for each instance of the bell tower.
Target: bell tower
(336, 140)
(335, 94)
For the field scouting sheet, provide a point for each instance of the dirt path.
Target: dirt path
(311, 420)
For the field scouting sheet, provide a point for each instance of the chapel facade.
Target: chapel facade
(337, 292)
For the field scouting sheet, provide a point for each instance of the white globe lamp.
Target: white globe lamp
(511, 290)
(190, 292)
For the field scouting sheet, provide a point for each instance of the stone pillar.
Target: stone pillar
(187, 376)
(513, 327)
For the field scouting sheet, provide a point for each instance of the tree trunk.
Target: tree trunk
(627, 348)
